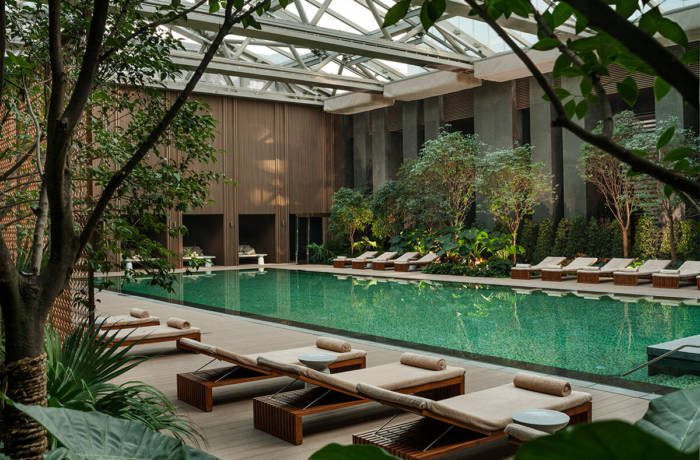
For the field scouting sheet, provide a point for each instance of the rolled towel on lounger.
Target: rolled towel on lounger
(178, 323)
(523, 265)
(139, 313)
(542, 384)
(331, 344)
(667, 271)
(422, 361)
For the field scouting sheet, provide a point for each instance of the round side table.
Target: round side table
(546, 420)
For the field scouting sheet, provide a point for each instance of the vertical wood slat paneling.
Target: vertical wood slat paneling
(522, 93)
(306, 162)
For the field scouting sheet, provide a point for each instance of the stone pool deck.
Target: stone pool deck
(229, 428)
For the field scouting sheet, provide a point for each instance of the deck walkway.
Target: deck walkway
(229, 428)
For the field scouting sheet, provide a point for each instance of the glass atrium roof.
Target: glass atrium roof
(315, 49)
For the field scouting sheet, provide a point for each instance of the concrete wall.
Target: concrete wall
(573, 187)
(494, 115)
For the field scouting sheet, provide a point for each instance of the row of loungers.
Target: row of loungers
(423, 385)
(617, 269)
(403, 263)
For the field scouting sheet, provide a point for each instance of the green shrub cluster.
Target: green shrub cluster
(545, 238)
(495, 267)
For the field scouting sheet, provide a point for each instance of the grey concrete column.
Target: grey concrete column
(670, 106)
(431, 117)
(380, 149)
(494, 113)
(546, 146)
(573, 191)
(493, 123)
(362, 160)
(409, 129)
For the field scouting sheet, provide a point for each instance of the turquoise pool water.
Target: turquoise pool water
(602, 336)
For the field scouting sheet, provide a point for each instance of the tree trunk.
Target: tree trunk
(515, 243)
(673, 245)
(625, 242)
(23, 378)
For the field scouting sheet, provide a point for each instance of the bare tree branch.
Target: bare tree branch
(142, 150)
(637, 163)
(664, 63)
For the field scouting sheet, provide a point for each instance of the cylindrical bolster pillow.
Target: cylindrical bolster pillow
(331, 344)
(139, 313)
(425, 362)
(542, 384)
(178, 323)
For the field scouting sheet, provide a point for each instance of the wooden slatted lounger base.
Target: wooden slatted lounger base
(588, 277)
(521, 274)
(629, 279)
(358, 264)
(194, 335)
(669, 282)
(281, 415)
(557, 275)
(427, 437)
(196, 388)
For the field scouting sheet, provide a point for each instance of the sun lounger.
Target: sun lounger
(687, 272)
(282, 414)
(527, 271)
(561, 273)
(367, 263)
(174, 330)
(424, 261)
(405, 257)
(465, 421)
(342, 262)
(594, 274)
(633, 276)
(196, 388)
(136, 318)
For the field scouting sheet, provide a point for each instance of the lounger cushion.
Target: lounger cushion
(293, 369)
(233, 357)
(199, 347)
(491, 410)
(423, 361)
(394, 376)
(524, 433)
(124, 320)
(291, 356)
(139, 313)
(542, 384)
(408, 402)
(152, 332)
(337, 345)
(178, 323)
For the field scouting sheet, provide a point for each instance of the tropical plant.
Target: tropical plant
(438, 187)
(80, 370)
(62, 88)
(606, 33)
(689, 241)
(350, 214)
(561, 238)
(93, 435)
(576, 243)
(319, 254)
(646, 238)
(513, 187)
(545, 237)
(528, 239)
(387, 209)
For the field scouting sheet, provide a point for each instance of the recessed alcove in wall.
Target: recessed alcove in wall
(257, 231)
(205, 231)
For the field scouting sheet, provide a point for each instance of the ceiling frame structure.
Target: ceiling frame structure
(316, 49)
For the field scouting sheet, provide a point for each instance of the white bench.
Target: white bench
(260, 257)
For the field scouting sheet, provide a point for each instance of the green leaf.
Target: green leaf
(625, 8)
(675, 418)
(562, 93)
(570, 108)
(396, 12)
(561, 13)
(600, 440)
(214, 6)
(355, 452)
(430, 11)
(668, 191)
(649, 21)
(661, 88)
(582, 109)
(678, 153)
(665, 137)
(581, 23)
(586, 86)
(546, 43)
(93, 435)
(672, 31)
(628, 90)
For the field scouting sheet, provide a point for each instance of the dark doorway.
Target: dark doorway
(257, 232)
(303, 230)
(205, 235)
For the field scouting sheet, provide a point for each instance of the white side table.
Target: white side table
(318, 362)
(546, 420)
